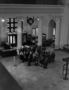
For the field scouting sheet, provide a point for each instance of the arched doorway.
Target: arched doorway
(51, 30)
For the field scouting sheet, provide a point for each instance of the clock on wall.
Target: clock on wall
(30, 20)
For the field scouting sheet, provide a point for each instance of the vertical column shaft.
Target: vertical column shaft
(64, 27)
(19, 34)
(57, 34)
(40, 28)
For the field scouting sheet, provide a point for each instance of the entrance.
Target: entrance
(52, 30)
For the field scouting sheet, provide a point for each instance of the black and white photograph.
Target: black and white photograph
(34, 44)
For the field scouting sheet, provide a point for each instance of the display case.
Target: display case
(12, 39)
(24, 38)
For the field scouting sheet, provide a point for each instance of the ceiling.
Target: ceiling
(44, 2)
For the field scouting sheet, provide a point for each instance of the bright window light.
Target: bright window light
(11, 25)
(53, 31)
(11, 20)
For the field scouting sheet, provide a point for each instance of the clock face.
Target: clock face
(30, 21)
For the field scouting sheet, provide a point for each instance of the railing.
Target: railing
(65, 68)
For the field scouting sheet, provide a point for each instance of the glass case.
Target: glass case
(24, 38)
(12, 39)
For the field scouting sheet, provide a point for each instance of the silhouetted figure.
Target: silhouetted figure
(30, 57)
(53, 56)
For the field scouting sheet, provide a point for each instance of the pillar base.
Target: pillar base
(65, 78)
(15, 65)
(56, 47)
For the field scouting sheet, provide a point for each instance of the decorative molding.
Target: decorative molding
(28, 6)
(15, 9)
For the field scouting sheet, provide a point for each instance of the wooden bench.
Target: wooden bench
(9, 52)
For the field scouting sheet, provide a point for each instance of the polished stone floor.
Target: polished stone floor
(37, 78)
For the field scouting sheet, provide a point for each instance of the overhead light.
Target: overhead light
(22, 20)
(3, 20)
(38, 19)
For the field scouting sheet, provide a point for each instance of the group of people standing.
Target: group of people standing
(36, 55)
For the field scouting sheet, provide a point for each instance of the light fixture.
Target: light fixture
(38, 19)
(22, 20)
(3, 20)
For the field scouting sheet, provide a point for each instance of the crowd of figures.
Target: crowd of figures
(36, 55)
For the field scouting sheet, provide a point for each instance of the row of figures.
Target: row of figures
(36, 55)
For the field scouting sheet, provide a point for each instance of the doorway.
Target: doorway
(52, 30)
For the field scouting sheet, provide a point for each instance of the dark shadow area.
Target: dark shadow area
(46, 2)
(7, 82)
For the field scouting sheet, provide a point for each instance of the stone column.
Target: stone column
(64, 27)
(57, 34)
(68, 37)
(45, 27)
(5, 32)
(2, 22)
(0, 30)
(40, 28)
(19, 34)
